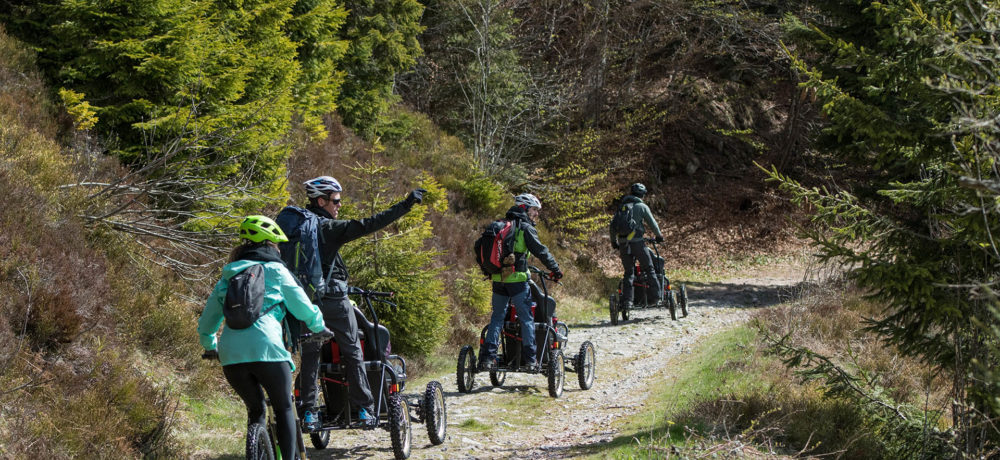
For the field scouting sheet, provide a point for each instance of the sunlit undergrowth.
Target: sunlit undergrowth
(80, 309)
(734, 397)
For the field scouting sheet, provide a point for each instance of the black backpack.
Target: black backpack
(245, 298)
(495, 246)
(301, 252)
(623, 222)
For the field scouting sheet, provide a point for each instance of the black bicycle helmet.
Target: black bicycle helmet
(638, 190)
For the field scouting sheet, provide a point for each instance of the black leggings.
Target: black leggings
(276, 378)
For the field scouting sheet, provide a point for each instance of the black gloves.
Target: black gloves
(659, 238)
(416, 196)
(556, 275)
(210, 354)
(614, 244)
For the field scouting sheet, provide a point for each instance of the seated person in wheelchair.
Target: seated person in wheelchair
(512, 287)
(632, 247)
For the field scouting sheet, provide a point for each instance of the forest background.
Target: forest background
(136, 134)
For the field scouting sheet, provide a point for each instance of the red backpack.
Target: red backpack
(495, 246)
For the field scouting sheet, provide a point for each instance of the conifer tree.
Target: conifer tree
(382, 37)
(398, 260)
(909, 89)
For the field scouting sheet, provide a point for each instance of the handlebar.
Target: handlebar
(541, 273)
(314, 337)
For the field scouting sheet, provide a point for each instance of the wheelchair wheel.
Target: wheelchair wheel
(399, 427)
(556, 373)
(625, 314)
(434, 412)
(613, 306)
(466, 370)
(672, 304)
(586, 365)
(684, 301)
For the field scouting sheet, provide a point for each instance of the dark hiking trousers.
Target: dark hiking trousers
(338, 314)
(630, 252)
(276, 379)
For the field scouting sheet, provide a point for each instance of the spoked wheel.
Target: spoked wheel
(625, 314)
(496, 377)
(673, 305)
(586, 365)
(399, 427)
(259, 445)
(684, 300)
(613, 306)
(556, 373)
(466, 371)
(434, 412)
(320, 439)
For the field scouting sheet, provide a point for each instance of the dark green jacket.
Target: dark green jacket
(641, 216)
(525, 241)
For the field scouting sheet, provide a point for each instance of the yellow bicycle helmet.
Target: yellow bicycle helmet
(261, 228)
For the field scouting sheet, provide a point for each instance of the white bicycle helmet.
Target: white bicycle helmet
(527, 199)
(322, 186)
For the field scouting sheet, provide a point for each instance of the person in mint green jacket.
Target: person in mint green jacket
(254, 359)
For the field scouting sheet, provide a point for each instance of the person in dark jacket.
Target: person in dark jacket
(512, 287)
(632, 247)
(338, 312)
(254, 359)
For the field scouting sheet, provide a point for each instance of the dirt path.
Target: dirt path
(521, 420)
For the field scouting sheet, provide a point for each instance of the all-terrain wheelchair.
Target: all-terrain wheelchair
(550, 341)
(644, 295)
(386, 378)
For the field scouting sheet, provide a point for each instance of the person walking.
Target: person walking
(512, 288)
(254, 359)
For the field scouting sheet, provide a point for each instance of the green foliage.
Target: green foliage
(483, 195)
(382, 37)
(575, 200)
(313, 27)
(473, 293)
(487, 96)
(82, 112)
(905, 91)
(399, 262)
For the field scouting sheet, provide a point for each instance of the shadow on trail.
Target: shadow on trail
(663, 313)
(485, 387)
(743, 295)
(372, 451)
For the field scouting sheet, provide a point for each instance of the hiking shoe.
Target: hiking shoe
(530, 367)
(310, 422)
(368, 421)
(487, 365)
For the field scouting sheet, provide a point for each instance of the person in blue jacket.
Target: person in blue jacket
(254, 360)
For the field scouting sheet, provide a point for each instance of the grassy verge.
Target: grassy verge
(730, 397)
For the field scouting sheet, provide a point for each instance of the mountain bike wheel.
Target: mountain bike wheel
(399, 427)
(466, 370)
(322, 438)
(259, 446)
(434, 412)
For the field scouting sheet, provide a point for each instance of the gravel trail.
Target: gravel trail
(521, 420)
